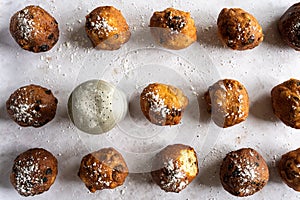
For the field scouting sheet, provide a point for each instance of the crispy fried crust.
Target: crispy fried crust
(288, 26)
(163, 104)
(238, 29)
(32, 105)
(103, 169)
(244, 172)
(289, 169)
(107, 28)
(173, 29)
(33, 172)
(228, 102)
(286, 102)
(34, 29)
(175, 167)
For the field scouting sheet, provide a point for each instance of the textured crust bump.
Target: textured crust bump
(103, 169)
(244, 172)
(288, 26)
(175, 167)
(173, 29)
(33, 172)
(228, 102)
(163, 104)
(34, 29)
(238, 29)
(289, 169)
(286, 102)
(32, 105)
(107, 28)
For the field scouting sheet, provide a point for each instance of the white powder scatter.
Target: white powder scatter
(27, 176)
(157, 104)
(174, 177)
(240, 98)
(102, 26)
(23, 107)
(102, 176)
(247, 172)
(25, 24)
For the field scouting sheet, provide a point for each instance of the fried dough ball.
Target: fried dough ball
(289, 169)
(238, 29)
(173, 29)
(33, 172)
(103, 169)
(163, 104)
(286, 102)
(32, 105)
(34, 29)
(107, 28)
(228, 102)
(244, 172)
(175, 167)
(288, 26)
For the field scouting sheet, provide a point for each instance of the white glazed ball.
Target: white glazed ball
(96, 106)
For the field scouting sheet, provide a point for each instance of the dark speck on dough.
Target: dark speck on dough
(37, 108)
(44, 47)
(48, 171)
(50, 37)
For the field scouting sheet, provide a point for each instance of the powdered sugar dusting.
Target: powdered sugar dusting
(101, 25)
(27, 176)
(100, 174)
(173, 178)
(247, 172)
(157, 104)
(25, 24)
(24, 108)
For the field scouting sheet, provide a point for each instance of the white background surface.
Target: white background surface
(69, 62)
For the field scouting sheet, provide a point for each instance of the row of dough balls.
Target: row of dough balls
(242, 173)
(96, 106)
(34, 29)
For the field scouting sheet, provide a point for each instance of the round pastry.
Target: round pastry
(163, 104)
(173, 29)
(96, 106)
(228, 102)
(175, 167)
(34, 29)
(103, 169)
(32, 105)
(107, 28)
(288, 26)
(244, 172)
(33, 172)
(289, 169)
(286, 102)
(238, 29)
